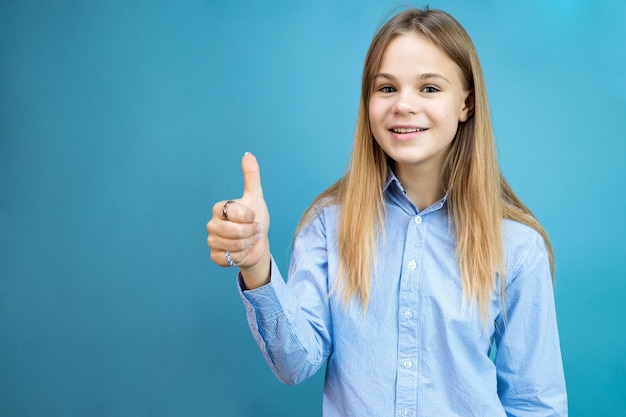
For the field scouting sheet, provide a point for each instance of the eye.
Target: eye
(387, 89)
(430, 89)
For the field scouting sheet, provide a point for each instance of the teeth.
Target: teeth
(409, 130)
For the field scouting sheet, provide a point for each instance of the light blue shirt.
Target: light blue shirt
(419, 350)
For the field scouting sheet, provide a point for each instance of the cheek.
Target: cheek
(447, 113)
(374, 115)
(373, 109)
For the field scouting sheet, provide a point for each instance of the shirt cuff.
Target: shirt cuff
(264, 301)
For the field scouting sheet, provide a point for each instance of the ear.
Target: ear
(468, 106)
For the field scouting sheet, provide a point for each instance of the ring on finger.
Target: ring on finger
(229, 259)
(225, 209)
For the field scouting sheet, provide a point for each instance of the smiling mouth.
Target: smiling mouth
(407, 130)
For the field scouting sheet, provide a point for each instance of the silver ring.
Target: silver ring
(225, 210)
(229, 259)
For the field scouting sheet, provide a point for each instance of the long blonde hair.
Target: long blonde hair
(478, 195)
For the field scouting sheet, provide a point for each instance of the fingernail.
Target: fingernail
(258, 228)
(246, 153)
(257, 237)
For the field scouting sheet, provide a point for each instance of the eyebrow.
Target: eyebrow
(424, 76)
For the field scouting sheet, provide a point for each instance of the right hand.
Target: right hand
(244, 233)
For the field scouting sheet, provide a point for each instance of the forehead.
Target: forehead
(413, 52)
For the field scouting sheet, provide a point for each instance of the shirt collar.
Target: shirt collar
(394, 192)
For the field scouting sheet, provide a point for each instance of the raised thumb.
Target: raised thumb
(251, 175)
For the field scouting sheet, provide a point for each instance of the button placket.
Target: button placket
(408, 316)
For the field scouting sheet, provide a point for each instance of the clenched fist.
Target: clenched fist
(238, 229)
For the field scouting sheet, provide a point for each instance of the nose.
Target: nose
(405, 105)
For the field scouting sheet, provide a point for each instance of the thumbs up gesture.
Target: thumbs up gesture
(238, 229)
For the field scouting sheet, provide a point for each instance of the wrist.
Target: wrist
(257, 275)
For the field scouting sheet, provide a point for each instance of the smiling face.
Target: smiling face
(418, 99)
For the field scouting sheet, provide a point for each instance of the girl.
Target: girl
(409, 269)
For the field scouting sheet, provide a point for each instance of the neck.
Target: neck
(423, 187)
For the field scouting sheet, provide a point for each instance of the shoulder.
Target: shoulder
(315, 238)
(320, 218)
(325, 210)
(523, 246)
(516, 233)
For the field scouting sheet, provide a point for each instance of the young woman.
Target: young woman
(409, 269)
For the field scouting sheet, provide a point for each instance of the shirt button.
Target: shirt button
(408, 363)
(418, 220)
(412, 264)
(408, 313)
(406, 412)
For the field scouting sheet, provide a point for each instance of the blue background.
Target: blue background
(121, 123)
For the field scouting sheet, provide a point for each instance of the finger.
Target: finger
(251, 175)
(235, 211)
(221, 243)
(233, 230)
(222, 259)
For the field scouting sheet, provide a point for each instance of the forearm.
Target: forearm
(294, 344)
(531, 380)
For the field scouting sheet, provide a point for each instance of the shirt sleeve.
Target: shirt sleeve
(291, 321)
(528, 360)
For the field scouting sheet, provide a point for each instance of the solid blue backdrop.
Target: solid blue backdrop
(121, 123)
